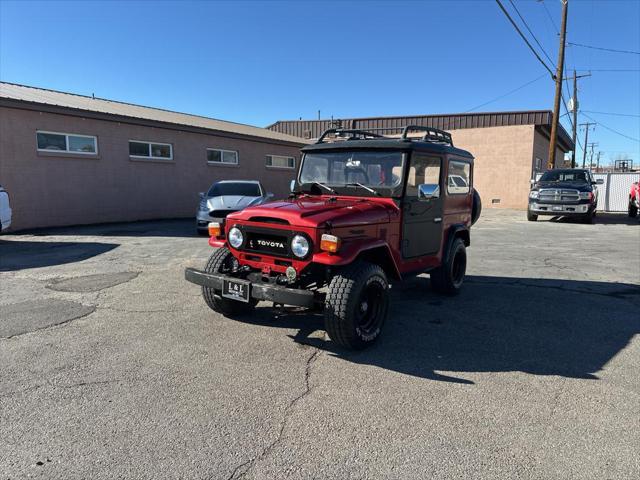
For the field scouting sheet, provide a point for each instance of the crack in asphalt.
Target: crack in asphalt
(54, 385)
(249, 464)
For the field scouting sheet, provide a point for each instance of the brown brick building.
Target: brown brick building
(69, 159)
(509, 147)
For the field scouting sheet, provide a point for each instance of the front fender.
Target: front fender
(350, 251)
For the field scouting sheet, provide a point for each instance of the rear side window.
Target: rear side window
(458, 179)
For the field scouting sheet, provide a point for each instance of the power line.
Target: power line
(524, 38)
(602, 48)
(610, 113)
(550, 17)
(610, 69)
(609, 128)
(508, 93)
(529, 30)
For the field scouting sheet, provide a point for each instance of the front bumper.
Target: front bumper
(559, 209)
(260, 291)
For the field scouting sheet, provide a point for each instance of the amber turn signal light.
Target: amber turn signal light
(214, 229)
(329, 243)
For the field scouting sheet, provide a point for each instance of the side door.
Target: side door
(422, 218)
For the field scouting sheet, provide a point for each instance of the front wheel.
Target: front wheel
(449, 276)
(221, 261)
(356, 305)
(589, 217)
(633, 209)
(532, 217)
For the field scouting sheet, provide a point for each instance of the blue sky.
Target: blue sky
(258, 62)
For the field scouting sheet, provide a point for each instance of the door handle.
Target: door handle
(437, 220)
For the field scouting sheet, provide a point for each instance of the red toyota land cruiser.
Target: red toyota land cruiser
(365, 210)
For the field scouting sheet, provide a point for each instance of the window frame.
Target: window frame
(277, 167)
(222, 151)
(66, 142)
(150, 157)
(457, 160)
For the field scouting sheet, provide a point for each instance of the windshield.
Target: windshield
(240, 188)
(338, 169)
(564, 176)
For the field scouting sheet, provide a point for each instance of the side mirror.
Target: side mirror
(292, 186)
(532, 181)
(201, 194)
(599, 181)
(427, 191)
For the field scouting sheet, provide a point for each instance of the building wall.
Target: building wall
(52, 189)
(503, 163)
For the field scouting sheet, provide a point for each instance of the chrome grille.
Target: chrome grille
(559, 195)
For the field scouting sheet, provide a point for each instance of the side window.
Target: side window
(422, 170)
(458, 181)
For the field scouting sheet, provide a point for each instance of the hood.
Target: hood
(231, 202)
(582, 186)
(315, 211)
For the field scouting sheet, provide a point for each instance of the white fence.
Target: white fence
(613, 196)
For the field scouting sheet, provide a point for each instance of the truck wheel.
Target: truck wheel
(220, 262)
(356, 305)
(449, 276)
(588, 218)
(633, 210)
(532, 217)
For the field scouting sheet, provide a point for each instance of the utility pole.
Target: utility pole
(592, 146)
(598, 162)
(574, 108)
(586, 139)
(556, 106)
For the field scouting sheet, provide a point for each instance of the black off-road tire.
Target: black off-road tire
(217, 264)
(532, 217)
(448, 278)
(633, 210)
(356, 305)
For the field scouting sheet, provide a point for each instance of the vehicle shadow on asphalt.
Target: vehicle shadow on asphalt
(600, 219)
(20, 255)
(497, 324)
(182, 227)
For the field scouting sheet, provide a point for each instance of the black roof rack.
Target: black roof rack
(431, 135)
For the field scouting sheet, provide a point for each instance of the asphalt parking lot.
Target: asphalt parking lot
(112, 366)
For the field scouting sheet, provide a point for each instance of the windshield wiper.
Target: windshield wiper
(356, 184)
(325, 187)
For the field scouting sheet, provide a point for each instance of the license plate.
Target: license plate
(557, 208)
(236, 290)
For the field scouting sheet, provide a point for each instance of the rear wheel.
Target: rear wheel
(221, 261)
(356, 305)
(532, 217)
(449, 276)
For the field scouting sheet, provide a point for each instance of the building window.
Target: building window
(538, 164)
(227, 157)
(67, 142)
(150, 150)
(458, 177)
(278, 161)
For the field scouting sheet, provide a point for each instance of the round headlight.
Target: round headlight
(299, 246)
(235, 237)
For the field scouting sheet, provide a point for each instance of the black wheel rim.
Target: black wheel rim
(458, 268)
(370, 307)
